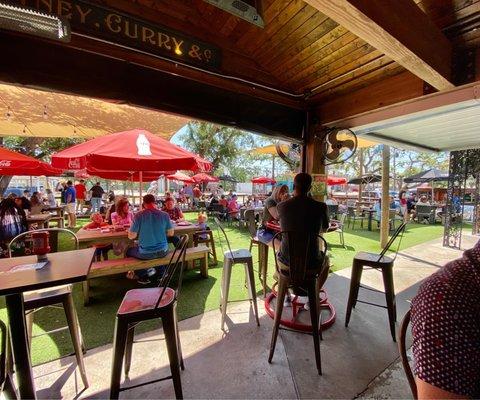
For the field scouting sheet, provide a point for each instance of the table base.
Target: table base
(293, 323)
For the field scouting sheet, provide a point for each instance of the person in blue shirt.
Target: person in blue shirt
(71, 199)
(153, 228)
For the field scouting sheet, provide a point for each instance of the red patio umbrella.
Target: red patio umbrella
(203, 177)
(135, 150)
(180, 176)
(264, 180)
(336, 180)
(12, 163)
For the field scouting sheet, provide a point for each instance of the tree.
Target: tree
(218, 144)
(41, 148)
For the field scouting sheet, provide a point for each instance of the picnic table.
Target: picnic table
(41, 219)
(63, 268)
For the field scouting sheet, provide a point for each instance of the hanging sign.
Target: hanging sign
(319, 185)
(108, 24)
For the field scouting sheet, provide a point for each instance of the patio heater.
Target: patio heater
(35, 23)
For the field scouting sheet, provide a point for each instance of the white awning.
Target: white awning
(30, 112)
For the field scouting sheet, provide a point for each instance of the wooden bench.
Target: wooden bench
(123, 265)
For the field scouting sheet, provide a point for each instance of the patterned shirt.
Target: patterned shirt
(446, 327)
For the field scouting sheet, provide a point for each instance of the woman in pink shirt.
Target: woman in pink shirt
(122, 216)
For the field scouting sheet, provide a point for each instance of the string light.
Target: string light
(74, 129)
(8, 114)
(24, 129)
(45, 113)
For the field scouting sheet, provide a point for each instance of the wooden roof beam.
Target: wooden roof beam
(400, 30)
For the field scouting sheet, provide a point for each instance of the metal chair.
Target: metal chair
(402, 348)
(353, 215)
(425, 212)
(6, 382)
(140, 305)
(332, 211)
(52, 297)
(380, 262)
(230, 258)
(300, 273)
(198, 237)
(252, 227)
(338, 227)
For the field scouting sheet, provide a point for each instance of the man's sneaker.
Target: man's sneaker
(143, 281)
(288, 301)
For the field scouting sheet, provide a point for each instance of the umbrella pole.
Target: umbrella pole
(141, 179)
(433, 194)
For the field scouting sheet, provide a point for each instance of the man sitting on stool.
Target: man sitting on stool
(301, 213)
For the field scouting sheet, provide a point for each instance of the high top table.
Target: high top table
(63, 268)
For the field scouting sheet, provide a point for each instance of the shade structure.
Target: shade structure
(430, 175)
(134, 150)
(180, 176)
(227, 178)
(264, 180)
(13, 163)
(336, 180)
(366, 179)
(203, 177)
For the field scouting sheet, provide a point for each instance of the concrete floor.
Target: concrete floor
(358, 361)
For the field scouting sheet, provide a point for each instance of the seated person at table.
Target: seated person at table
(270, 213)
(233, 209)
(393, 205)
(101, 248)
(172, 210)
(50, 201)
(330, 200)
(152, 227)
(301, 213)
(13, 221)
(202, 224)
(122, 216)
(223, 201)
(213, 201)
(423, 201)
(36, 206)
(445, 316)
(257, 203)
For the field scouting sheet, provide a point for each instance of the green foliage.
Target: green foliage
(41, 148)
(218, 144)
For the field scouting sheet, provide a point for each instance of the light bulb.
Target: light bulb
(24, 129)
(8, 114)
(45, 113)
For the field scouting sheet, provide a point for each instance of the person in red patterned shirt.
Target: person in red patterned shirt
(445, 317)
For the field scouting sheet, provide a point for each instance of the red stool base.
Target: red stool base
(293, 322)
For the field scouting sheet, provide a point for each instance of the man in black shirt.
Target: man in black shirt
(303, 214)
(96, 197)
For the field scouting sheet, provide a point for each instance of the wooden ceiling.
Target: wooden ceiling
(301, 53)
(300, 48)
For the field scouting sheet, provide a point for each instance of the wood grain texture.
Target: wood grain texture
(418, 46)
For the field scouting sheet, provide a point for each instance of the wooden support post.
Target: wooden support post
(384, 223)
(360, 173)
(315, 157)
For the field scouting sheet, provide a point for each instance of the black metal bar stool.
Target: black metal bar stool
(381, 262)
(300, 273)
(59, 296)
(145, 304)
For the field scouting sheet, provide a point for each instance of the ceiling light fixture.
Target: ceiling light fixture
(29, 21)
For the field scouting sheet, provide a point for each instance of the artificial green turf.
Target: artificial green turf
(197, 295)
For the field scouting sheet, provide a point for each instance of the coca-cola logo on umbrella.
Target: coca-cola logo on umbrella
(5, 163)
(74, 163)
